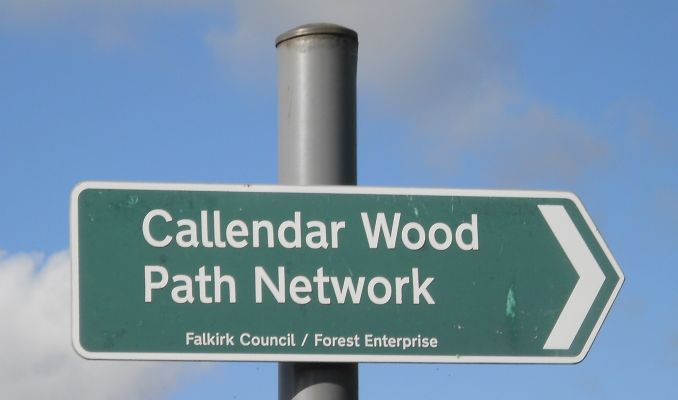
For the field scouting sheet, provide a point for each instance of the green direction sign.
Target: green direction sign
(355, 274)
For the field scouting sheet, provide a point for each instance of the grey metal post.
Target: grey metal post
(317, 146)
(317, 105)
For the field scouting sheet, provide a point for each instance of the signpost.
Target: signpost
(335, 274)
(317, 69)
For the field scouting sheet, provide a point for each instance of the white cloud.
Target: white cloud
(30, 11)
(398, 39)
(512, 139)
(443, 67)
(36, 357)
(105, 23)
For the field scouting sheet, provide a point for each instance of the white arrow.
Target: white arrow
(590, 281)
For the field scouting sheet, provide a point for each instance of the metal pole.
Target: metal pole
(317, 146)
(317, 105)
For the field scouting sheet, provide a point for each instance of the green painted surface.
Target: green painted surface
(502, 299)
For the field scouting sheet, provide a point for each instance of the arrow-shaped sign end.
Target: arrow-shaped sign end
(590, 281)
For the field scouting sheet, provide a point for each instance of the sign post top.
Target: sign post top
(316, 29)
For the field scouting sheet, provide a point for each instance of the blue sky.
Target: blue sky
(574, 96)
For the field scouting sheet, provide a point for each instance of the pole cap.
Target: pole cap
(316, 29)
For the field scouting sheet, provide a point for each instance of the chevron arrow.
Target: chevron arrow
(590, 281)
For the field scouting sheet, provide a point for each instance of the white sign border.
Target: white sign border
(352, 358)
